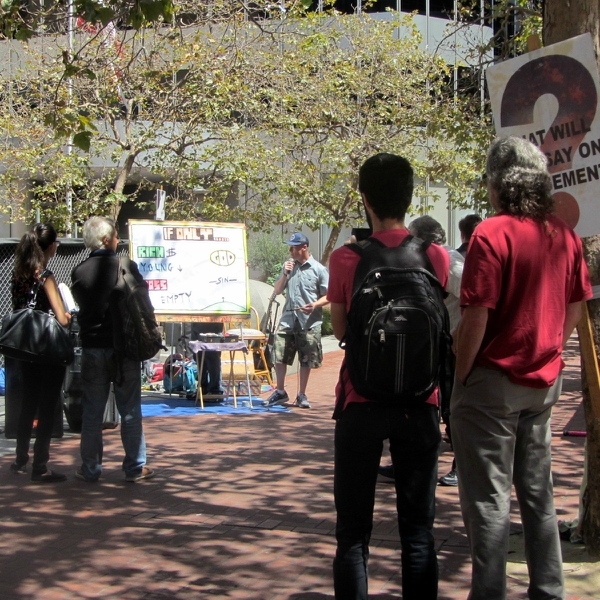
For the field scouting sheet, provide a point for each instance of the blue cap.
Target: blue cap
(297, 239)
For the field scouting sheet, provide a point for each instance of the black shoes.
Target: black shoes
(450, 480)
(48, 477)
(277, 398)
(386, 471)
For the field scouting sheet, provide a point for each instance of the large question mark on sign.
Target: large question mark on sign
(574, 88)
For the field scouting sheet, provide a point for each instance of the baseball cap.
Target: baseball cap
(297, 239)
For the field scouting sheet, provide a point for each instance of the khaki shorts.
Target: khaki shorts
(307, 344)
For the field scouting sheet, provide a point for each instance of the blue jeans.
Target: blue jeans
(414, 442)
(98, 370)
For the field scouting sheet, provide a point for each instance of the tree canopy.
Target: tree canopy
(260, 120)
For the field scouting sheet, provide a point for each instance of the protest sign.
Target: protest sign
(550, 97)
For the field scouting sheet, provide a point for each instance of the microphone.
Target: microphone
(289, 273)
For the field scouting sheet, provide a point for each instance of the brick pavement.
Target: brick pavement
(241, 507)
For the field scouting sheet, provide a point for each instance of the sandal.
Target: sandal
(145, 473)
(48, 477)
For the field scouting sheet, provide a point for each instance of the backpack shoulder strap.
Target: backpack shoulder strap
(410, 254)
(419, 246)
(125, 263)
(410, 241)
(360, 247)
(123, 270)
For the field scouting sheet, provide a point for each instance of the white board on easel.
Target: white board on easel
(192, 268)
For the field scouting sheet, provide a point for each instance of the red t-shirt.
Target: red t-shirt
(525, 272)
(342, 266)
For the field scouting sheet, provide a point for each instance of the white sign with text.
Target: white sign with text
(192, 268)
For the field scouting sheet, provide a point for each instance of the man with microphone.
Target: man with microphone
(305, 281)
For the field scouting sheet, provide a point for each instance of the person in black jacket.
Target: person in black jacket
(93, 281)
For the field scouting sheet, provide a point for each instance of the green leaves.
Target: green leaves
(271, 123)
(82, 140)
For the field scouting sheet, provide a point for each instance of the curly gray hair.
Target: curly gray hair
(518, 171)
(428, 229)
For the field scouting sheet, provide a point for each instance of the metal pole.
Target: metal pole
(69, 195)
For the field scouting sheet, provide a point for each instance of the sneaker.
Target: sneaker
(48, 477)
(145, 473)
(302, 401)
(277, 397)
(451, 479)
(18, 470)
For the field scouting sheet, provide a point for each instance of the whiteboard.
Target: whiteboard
(192, 268)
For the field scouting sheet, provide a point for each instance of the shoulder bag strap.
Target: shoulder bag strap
(41, 280)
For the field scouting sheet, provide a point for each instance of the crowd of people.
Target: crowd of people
(92, 283)
(523, 282)
(515, 289)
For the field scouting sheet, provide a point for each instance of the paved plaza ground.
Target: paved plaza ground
(241, 507)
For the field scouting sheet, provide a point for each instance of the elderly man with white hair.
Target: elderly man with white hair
(93, 281)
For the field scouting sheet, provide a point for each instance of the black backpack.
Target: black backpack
(397, 342)
(136, 333)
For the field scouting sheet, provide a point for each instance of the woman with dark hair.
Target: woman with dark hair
(36, 388)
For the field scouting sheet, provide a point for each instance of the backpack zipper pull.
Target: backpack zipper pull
(381, 333)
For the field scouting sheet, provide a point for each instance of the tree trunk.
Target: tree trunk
(119, 186)
(330, 245)
(342, 215)
(564, 19)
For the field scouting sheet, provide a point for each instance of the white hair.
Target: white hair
(95, 229)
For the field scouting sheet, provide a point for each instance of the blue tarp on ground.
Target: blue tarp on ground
(175, 406)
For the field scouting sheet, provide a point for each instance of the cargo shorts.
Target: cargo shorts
(306, 343)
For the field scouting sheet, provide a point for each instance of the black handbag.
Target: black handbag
(35, 336)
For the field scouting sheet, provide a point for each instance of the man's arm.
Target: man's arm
(308, 308)
(280, 284)
(573, 316)
(468, 339)
(338, 319)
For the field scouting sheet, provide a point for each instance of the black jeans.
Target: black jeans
(37, 388)
(210, 378)
(414, 443)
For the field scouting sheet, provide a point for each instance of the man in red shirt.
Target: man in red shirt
(523, 283)
(386, 186)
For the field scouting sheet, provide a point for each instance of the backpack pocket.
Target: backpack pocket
(402, 356)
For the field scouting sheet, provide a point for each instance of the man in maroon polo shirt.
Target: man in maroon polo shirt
(523, 283)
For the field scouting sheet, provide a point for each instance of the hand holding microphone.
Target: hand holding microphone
(288, 267)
